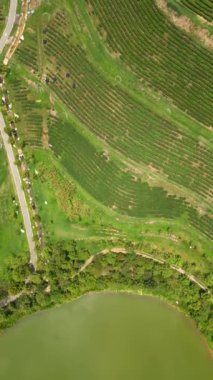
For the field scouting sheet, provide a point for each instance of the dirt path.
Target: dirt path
(146, 256)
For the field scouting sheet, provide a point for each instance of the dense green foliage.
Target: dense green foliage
(57, 280)
(111, 185)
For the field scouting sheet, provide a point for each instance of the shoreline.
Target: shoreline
(117, 291)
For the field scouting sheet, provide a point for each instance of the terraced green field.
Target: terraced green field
(158, 53)
(129, 147)
(30, 109)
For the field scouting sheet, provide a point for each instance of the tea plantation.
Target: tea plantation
(120, 143)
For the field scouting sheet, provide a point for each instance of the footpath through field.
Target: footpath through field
(10, 154)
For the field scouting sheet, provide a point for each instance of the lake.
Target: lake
(105, 336)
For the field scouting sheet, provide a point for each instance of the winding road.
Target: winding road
(9, 151)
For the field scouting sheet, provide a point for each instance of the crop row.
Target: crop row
(1, 14)
(128, 127)
(110, 184)
(27, 52)
(122, 122)
(166, 57)
(204, 8)
(31, 120)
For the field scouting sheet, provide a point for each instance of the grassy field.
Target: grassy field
(12, 241)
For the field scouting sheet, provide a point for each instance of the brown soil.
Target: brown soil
(105, 154)
(85, 29)
(118, 250)
(45, 136)
(103, 34)
(186, 24)
(31, 83)
(31, 31)
(51, 98)
(34, 4)
(196, 164)
(179, 136)
(53, 112)
(153, 169)
(116, 54)
(90, 9)
(204, 21)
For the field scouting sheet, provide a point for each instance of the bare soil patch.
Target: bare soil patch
(186, 24)
(32, 84)
(204, 21)
(116, 54)
(45, 135)
(34, 4)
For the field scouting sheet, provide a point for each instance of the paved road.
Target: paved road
(10, 22)
(20, 192)
(9, 151)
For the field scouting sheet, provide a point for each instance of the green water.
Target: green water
(105, 337)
